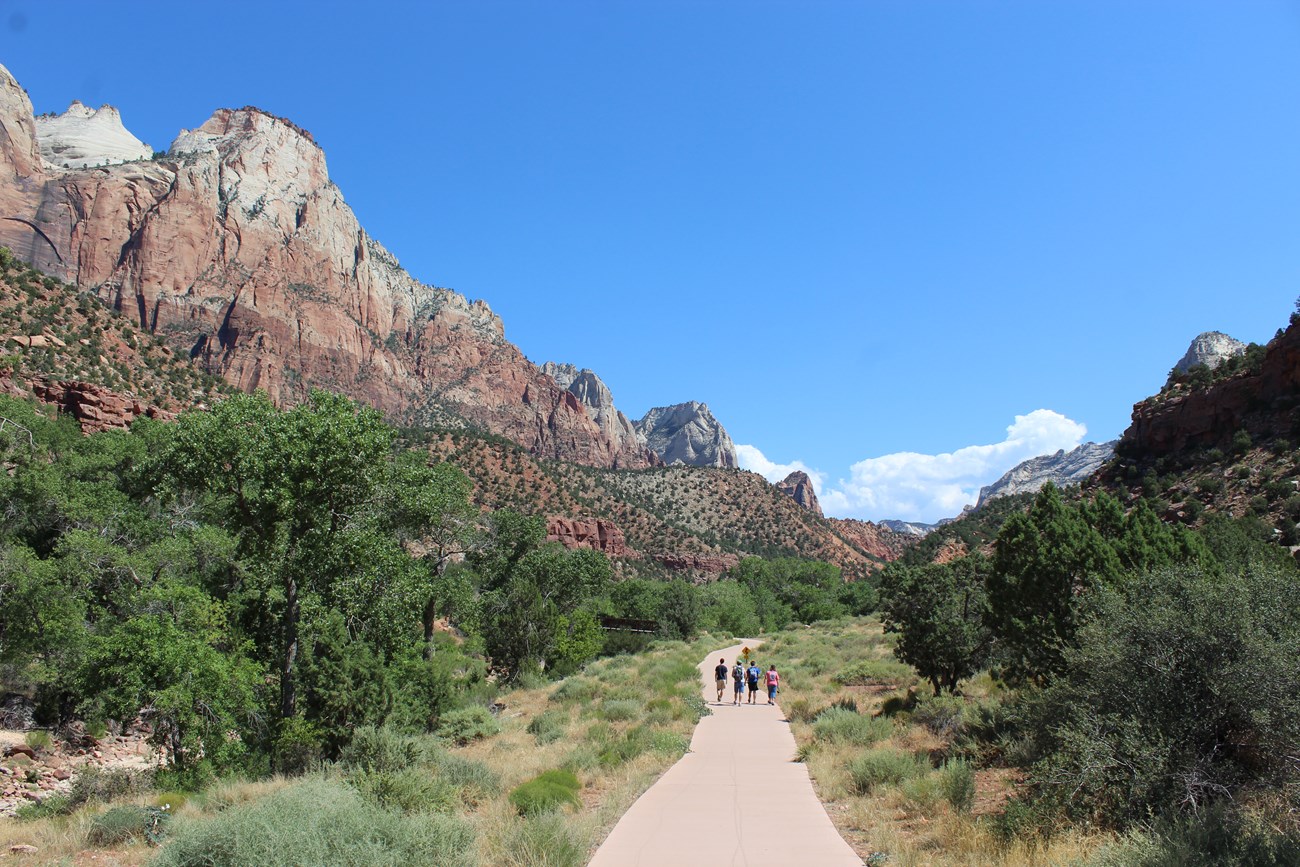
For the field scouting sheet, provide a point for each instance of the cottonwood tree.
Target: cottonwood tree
(290, 486)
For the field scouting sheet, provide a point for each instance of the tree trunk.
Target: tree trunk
(288, 694)
(430, 615)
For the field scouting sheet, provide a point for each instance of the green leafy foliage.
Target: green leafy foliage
(1181, 693)
(938, 612)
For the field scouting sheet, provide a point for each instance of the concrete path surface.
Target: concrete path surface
(737, 798)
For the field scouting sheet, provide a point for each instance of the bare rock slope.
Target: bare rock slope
(1063, 468)
(240, 251)
(687, 433)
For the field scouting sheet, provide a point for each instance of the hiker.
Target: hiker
(720, 674)
(773, 680)
(738, 680)
(752, 675)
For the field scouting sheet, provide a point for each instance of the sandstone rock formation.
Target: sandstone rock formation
(94, 407)
(687, 433)
(239, 249)
(1063, 468)
(799, 487)
(1261, 402)
(600, 536)
(83, 136)
(875, 539)
(1210, 348)
(910, 528)
(629, 446)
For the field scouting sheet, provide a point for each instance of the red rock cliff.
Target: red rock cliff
(239, 249)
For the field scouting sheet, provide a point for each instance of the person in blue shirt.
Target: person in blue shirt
(752, 674)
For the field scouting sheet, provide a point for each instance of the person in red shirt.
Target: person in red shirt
(773, 680)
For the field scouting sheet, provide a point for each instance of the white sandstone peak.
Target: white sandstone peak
(83, 137)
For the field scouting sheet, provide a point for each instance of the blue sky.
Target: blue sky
(901, 244)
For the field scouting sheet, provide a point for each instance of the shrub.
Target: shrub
(697, 706)
(542, 841)
(98, 784)
(958, 783)
(1229, 636)
(548, 726)
(884, 767)
(800, 710)
(942, 715)
(468, 724)
(297, 746)
(318, 822)
(576, 689)
(381, 750)
(1217, 838)
(865, 672)
(475, 780)
(38, 739)
(546, 793)
(840, 726)
(125, 824)
(619, 750)
(621, 710)
(411, 790)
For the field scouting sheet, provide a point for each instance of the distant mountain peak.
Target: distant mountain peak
(687, 433)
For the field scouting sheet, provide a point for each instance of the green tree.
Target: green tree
(429, 505)
(290, 485)
(174, 662)
(1047, 560)
(938, 612)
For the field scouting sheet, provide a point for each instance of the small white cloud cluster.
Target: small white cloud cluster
(916, 487)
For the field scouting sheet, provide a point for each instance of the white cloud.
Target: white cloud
(916, 487)
(750, 458)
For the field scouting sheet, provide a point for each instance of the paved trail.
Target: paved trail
(737, 798)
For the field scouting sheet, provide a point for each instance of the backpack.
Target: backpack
(738, 672)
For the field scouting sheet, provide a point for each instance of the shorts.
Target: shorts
(753, 686)
(740, 686)
(722, 684)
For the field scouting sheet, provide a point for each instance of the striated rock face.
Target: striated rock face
(84, 136)
(687, 434)
(242, 253)
(910, 528)
(875, 539)
(600, 536)
(1261, 402)
(1210, 348)
(630, 447)
(799, 487)
(1063, 468)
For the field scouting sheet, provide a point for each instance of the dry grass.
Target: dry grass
(911, 823)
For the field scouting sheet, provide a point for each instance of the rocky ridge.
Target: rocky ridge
(799, 487)
(1062, 469)
(597, 399)
(1210, 348)
(688, 434)
(238, 249)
